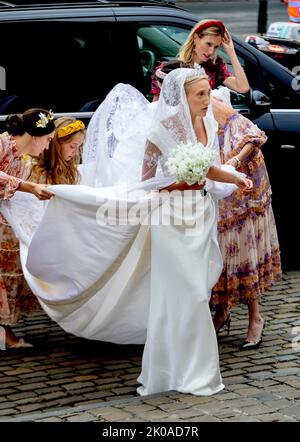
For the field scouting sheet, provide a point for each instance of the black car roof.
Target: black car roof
(16, 4)
(72, 9)
(28, 10)
(23, 10)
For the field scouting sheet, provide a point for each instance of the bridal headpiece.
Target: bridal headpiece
(200, 70)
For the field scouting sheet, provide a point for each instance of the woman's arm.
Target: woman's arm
(183, 186)
(39, 190)
(217, 174)
(238, 159)
(151, 158)
(239, 83)
(8, 185)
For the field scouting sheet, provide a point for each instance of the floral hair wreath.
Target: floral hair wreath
(70, 129)
(160, 74)
(44, 119)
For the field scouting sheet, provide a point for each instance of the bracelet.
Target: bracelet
(238, 161)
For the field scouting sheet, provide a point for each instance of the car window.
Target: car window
(61, 70)
(175, 33)
(158, 43)
(239, 101)
(286, 99)
(164, 41)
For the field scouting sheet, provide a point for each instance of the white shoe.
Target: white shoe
(20, 344)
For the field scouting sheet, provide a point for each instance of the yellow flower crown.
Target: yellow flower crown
(44, 119)
(70, 129)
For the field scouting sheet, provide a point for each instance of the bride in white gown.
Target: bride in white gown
(181, 351)
(122, 282)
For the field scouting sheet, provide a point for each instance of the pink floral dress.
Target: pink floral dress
(246, 228)
(15, 295)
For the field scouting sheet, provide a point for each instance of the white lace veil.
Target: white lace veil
(173, 124)
(222, 93)
(114, 152)
(116, 136)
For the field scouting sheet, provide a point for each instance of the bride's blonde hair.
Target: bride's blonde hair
(193, 78)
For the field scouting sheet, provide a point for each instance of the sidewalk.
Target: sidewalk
(65, 378)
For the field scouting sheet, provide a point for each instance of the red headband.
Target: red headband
(209, 24)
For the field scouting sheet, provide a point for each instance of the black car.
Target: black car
(68, 56)
(285, 51)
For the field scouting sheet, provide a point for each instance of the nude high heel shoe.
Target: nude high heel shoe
(4, 346)
(20, 344)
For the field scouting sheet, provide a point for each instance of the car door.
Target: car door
(159, 39)
(283, 161)
(62, 70)
(275, 108)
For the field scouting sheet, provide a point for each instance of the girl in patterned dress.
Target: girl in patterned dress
(59, 163)
(27, 133)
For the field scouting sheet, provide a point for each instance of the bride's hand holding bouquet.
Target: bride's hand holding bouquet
(191, 163)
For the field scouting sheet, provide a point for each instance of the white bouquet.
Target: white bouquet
(191, 162)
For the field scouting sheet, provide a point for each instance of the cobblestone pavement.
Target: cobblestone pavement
(65, 378)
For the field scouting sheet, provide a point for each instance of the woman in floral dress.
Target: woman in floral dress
(27, 133)
(246, 228)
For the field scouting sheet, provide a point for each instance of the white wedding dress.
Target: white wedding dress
(130, 283)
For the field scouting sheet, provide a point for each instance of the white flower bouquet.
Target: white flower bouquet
(190, 163)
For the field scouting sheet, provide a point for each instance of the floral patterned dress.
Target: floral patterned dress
(246, 228)
(15, 295)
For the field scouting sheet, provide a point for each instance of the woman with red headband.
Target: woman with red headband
(200, 47)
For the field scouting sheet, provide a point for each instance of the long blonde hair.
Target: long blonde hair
(186, 52)
(50, 167)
